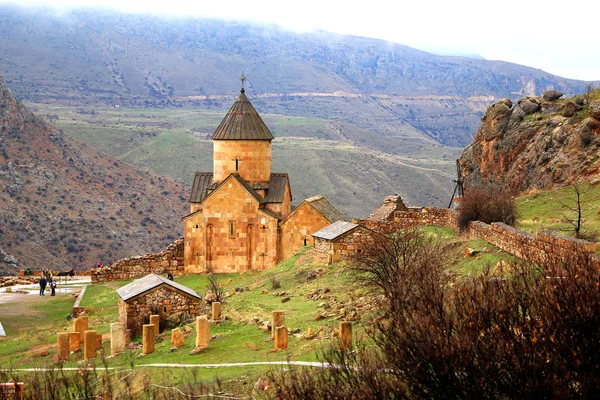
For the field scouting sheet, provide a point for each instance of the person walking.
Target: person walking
(43, 283)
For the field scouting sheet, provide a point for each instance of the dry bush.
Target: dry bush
(218, 291)
(533, 333)
(480, 205)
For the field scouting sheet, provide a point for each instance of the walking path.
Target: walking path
(165, 365)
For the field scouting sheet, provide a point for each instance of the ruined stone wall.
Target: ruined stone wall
(168, 260)
(173, 306)
(544, 246)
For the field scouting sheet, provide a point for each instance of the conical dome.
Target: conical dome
(242, 122)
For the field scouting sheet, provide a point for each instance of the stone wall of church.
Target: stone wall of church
(254, 159)
(305, 221)
(167, 261)
(230, 234)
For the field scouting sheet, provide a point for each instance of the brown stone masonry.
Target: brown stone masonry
(169, 260)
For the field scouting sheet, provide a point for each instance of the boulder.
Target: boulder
(529, 105)
(570, 109)
(594, 109)
(551, 95)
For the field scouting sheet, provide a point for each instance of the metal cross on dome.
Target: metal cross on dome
(242, 78)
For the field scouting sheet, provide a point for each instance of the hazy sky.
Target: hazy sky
(557, 37)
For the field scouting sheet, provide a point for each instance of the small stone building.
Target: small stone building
(154, 294)
(338, 241)
(311, 215)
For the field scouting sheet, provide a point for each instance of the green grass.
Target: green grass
(238, 337)
(547, 210)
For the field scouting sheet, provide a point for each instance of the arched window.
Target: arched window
(250, 246)
(209, 240)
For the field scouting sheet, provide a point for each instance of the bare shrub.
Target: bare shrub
(215, 291)
(533, 333)
(275, 284)
(480, 205)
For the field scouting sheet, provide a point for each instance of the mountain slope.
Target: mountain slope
(66, 205)
(100, 56)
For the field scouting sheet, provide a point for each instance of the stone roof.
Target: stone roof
(150, 282)
(202, 180)
(335, 230)
(276, 188)
(326, 208)
(242, 122)
(386, 211)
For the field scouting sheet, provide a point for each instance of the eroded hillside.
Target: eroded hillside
(66, 205)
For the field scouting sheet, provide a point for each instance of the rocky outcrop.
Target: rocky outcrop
(535, 143)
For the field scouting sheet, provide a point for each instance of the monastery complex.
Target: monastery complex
(241, 215)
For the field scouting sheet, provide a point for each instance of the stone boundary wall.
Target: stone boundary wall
(168, 260)
(543, 246)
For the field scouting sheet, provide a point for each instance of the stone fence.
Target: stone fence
(543, 246)
(169, 260)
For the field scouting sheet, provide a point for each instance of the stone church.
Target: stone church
(241, 215)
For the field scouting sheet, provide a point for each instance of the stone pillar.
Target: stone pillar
(202, 332)
(277, 320)
(148, 339)
(281, 337)
(127, 336)
(345, 335)
(62, 341)
(90, 344)
(155, 320)
(216, 311)
(80, 325)
(74, 341)
(177, 339)
(117, 338)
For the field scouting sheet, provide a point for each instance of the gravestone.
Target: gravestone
(278, 319)
(117, 338)
(155, 320)
(148, 339)
(345, 335)
(177, 339)
(216, 311)
(80, 325)
(202, 332)
(90, 344)
(281, 337)
(62, 342)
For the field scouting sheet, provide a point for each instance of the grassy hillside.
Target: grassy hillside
(551, 209)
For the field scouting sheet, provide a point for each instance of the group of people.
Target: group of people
(45, 280)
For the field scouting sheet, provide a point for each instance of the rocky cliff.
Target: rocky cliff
(65, 205)
(536, 142)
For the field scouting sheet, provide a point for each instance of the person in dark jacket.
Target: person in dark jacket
(43, 283)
